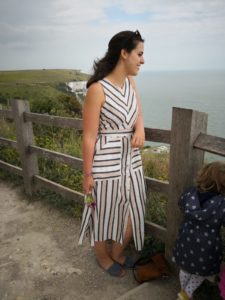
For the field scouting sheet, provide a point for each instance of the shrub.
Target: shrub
(156, 165)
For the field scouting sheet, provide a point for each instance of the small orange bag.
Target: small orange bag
(146, 269)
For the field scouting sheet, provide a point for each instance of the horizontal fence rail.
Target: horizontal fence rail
(6, 114)
(42, 182)
(58, 157)
(155, 185)
(50, 120)
(152, 134)
(209, 143)
(11, 168)
(8, 143)
(156, 230)
(157, 135)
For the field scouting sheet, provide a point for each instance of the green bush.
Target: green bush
(46, 105)
(71, 105)
(156, 208)
(156, 165)
(7, 129)
(10, 155)
(55, 200)
(3, 100)
(60, 173)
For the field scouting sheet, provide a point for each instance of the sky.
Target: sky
(71, 34)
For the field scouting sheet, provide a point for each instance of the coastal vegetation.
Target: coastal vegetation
(46, 90)
(48, 93)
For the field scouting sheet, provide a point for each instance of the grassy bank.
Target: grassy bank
(37, 85)
(47, 93)
(41, 76)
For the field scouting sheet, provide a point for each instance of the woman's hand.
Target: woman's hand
(138, 139)
(88, 184)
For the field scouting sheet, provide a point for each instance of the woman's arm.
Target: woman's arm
(139, 131)
(91, 113)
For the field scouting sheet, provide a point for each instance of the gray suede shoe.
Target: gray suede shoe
(128, 263)
(116, 270)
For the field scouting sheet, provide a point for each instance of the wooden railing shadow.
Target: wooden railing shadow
(188, 142)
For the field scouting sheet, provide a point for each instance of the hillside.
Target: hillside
(41, 76)
(36, 84)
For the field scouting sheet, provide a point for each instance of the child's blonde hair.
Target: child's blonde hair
(212, 178)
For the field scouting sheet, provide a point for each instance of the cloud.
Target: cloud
(72, 33)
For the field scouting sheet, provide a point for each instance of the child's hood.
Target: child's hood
(212, 206)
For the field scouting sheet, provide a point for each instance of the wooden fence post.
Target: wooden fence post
(25, 138)
(185, 161)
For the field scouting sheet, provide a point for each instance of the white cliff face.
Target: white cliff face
(77, 86)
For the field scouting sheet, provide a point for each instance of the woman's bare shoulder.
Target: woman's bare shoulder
(95, 87)
(95, 91)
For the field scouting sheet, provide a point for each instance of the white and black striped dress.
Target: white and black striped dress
(119, 187)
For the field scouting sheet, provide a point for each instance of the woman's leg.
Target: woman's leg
(102, 254)
(117, 248)
(105, 260)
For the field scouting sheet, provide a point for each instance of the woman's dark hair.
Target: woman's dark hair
(211, 178)
(126, 40)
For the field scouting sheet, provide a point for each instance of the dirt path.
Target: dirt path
(40, 259)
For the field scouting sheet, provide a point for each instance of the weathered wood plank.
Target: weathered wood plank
(11, 168)
(209, 143)
(157, 231)
(25, 138)
(53, 120)
(157, 135)
(9, 143)
(58, 188)
(6, 114)
(185, 161)
(58, 157)
(155, 185)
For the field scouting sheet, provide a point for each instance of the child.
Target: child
(222, 284)
(198, 248)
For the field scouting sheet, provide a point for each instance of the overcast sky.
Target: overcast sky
(179, 34)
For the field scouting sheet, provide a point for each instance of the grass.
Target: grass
(156, 165)
(46, 91)
(41, 77)
(33, 85)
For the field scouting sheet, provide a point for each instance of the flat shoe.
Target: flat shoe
(128, 263)
(115, 270)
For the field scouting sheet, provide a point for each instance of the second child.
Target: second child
(198, 248)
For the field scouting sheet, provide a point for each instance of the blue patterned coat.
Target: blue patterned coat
(198, 248)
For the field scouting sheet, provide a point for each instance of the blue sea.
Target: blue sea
(199, 90)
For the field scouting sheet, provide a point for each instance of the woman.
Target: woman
(113, 133)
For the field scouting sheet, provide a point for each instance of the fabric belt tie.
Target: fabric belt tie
(116, 132)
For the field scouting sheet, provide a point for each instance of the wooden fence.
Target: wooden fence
(187, 138)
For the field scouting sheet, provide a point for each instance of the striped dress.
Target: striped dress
(119, 186)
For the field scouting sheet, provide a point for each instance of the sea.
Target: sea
(201, 90)
(204, 91)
